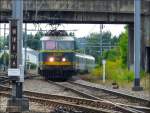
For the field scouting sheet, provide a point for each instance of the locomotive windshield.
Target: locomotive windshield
(50, 45)
(65, 45)
(58, 45)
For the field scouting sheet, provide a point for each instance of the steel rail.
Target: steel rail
(97, 98)
(91, 96)
(4, 80)
(78, 101)
(66, 104)
(112, 92)
(132, 108)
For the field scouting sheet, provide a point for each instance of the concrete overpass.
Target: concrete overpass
(87, 11)
(76, 11)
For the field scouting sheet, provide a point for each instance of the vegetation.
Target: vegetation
(123, 44)
(3, 42)
(92, 44)
(114, 72)
(34, 42)
(112, 54)
(4, 59)
(31, 65)
(116, 62)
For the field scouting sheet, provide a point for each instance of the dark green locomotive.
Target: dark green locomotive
(57, 57)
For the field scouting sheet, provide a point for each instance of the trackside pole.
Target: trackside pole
(137, 45)
(104, 70)
(16, 103)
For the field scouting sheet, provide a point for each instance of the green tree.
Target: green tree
(114, 41)
(93, 44)
(1, 43)
(34, 41)
(123, 44)
(112, 54)
(4, 59)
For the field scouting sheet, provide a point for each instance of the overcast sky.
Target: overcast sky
(80, 30)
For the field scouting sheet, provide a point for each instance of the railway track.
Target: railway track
(82, 104)
(3, 79)
(114, 95)
(2, 73)
(127, 101)
(93, 101)
(95, 93)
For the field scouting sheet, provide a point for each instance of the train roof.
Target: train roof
(60, 38)
(85, 56)
(56, 32)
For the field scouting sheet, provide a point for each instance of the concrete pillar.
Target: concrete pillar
(147, 64)
(143, 50)
(130, 46)
(147, 30)
(146, 37)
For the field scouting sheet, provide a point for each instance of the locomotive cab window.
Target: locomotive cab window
(58, 45)
(65, 45)
(50, 45)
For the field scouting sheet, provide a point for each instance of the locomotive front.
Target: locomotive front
(57, 57)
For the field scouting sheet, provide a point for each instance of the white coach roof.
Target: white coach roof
(85, 56)
(63, 38)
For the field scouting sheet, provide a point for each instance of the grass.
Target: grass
(116, 73)
(145, 82)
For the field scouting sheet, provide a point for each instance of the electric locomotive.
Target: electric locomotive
(57, 57)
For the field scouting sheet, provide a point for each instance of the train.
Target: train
(58, 58)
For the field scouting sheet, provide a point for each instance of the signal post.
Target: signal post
(16, 103)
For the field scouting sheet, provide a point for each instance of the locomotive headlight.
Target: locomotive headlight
(63, 59)
(51, 59)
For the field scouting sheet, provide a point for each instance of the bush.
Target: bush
(128, 75)
(96, 72)
(4, 57)
(114, 72)
(112, 54)
(116, 65)
(123, 45)
(31, 65)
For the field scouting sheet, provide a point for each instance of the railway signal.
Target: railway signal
(13, 44)
(16, 103)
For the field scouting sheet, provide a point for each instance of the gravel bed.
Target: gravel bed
(32, 106)
(140, 94)
(42, 86)
(3, 104)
